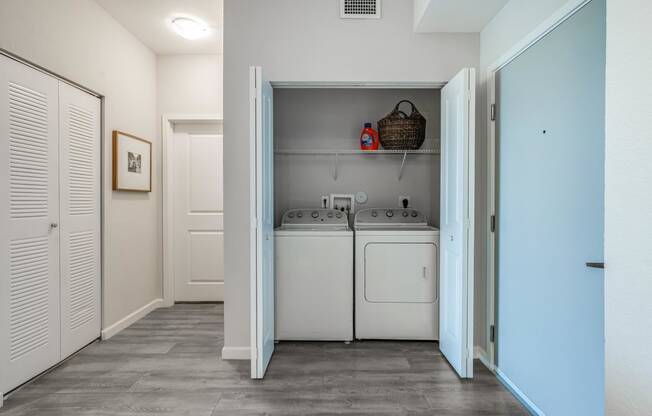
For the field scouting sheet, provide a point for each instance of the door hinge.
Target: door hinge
(493, 112)
(493, 223)
(492, 333)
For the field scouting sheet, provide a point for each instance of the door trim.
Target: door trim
(551, 23)
(167, 169)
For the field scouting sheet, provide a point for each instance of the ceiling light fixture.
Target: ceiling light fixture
(189, 28)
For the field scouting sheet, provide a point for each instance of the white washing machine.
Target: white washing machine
(314, 276)
(396, 275)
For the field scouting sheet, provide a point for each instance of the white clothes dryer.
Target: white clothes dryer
(396, 275)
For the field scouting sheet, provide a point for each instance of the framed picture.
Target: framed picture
(132, 163)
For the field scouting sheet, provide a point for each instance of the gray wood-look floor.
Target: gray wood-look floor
(169, 364)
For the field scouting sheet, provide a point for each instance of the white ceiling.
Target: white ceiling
(462, 16)
(149, 21)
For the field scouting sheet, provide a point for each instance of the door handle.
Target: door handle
(595, 265)
(424, 272)
(53, 225)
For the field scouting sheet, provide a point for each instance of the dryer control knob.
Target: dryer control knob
(414, 213)
(291, 215)
(330, 215)
(389, 213)
(405, 214)
(374, 214)
(314, 214)
(300, 215)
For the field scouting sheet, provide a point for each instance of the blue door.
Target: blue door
(550, 138)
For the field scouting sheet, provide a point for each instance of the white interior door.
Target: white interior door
(457, 212)
(29, 233)
(262, 222)
(198, 215)
(79, 167)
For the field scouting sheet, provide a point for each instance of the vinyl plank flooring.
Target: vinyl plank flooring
(169, 363)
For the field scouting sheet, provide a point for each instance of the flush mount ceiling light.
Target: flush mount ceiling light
(189, 28)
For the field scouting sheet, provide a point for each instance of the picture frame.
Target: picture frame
(132, 163)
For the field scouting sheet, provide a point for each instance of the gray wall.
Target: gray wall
(301, 40)
(333, 119)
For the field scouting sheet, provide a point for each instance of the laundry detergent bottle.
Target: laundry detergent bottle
(368, 138)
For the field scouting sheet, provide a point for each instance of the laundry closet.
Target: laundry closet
(311, 125)
(348, 242)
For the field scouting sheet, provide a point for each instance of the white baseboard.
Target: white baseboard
(236, 353)
(529, 404)
(136, 315)
(480, 354)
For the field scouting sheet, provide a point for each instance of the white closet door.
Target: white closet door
(29, 213)
(79, 141)
(456, 222)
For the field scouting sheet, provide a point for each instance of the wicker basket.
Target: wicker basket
(398, 131)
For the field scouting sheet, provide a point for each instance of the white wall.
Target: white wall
(628, 208)
(189, 84)
(306, 41)
(79, 40)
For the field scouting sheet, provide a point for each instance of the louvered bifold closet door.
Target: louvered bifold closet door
(79, 138)
(29, 216)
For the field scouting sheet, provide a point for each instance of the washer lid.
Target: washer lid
(314, 219)
(388, 218)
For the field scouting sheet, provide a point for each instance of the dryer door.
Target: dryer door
(401, 272)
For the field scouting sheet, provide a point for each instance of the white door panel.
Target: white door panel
(79, 173)
(198, 217)
(29, 256)
(262, 217)
(457, 211)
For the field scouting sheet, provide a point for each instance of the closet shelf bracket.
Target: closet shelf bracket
(400, 172)
(336, 166)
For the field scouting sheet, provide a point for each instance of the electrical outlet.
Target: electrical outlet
(324, 201)
(343, 202)
(402, 199)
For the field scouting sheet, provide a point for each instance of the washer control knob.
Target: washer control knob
(300, 215)
(414, 214)
(314, 214)
(338, 215)
(389, 213)
(291, 215)
(405, 214)
(330, 215)
(374, 214)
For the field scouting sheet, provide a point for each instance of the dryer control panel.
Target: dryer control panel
(314, 216)
(389, 216)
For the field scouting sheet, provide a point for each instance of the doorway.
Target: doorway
(193, 209)
(550, 216)
(457, 182)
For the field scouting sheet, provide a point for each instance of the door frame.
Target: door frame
(547, 26)
(167, 170)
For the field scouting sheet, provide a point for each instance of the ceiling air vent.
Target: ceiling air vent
(360, 9)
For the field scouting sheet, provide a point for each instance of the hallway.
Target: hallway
(169, 363)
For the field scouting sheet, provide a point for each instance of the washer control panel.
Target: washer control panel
(314, 216)
(383, 216)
